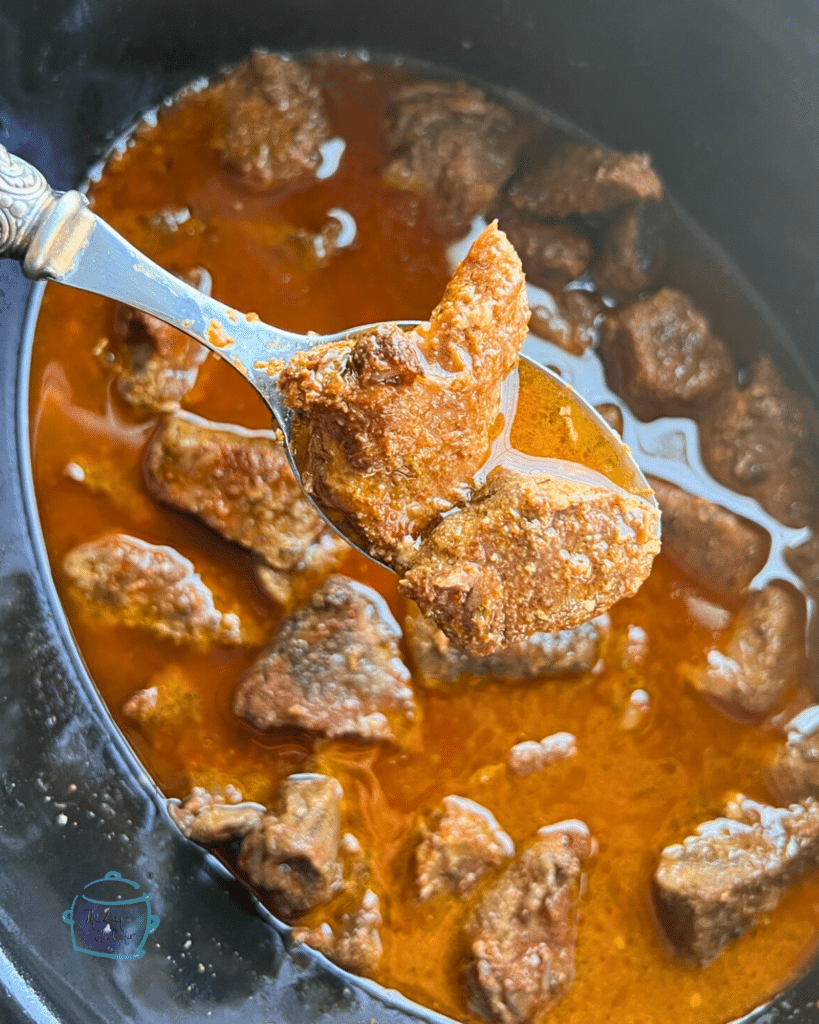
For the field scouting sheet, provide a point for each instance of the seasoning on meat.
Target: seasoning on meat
(239, 483)
(714, 886)
(794, 774)
(570, 652)
(661, 356)
(529, 757)
(462, 842)
(273, 121)
(581, 179)
(551, 254)
(718, 549)
(573, 323)
(333, 668)
(209, 817)
(291, 853)
(631, 252)
(451, 146)
(532, 553)
(751, 671)
(763, 441)
(522, 933)
(123, 579)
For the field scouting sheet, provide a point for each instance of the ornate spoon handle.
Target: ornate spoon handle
(24, 195)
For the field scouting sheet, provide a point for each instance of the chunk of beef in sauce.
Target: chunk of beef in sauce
(272, 122)
(763, 440)
(718, 549)
(761, 657)
(530, 757)
(570, 652)
(332, 668)
(573, 323)
(451, 146)
(613, 415)
(357, 946)
(209, 817)
(380, 408)
(714, 886)
(123, 579)
(794, 773)
(522, 933)
(804, 560)
(660, 355)
(461, 843)
(291, 854)
(580, 179)
(155, 365)
(532, 553)
(631, 252)
(239, 483)
(551, 254)
(170, 701)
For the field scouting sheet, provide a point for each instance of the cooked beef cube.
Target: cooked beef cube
(529, 757)
(763, 441)
(123, 579)
(661, 356)
(451, 146)
(291, 853)
(714, 886)
(333, 668)
(570, 652)
(155, 364)
(573, 324)
(207, 817)
(378, 422)
(239, 483)
(761, 658)
(357, 947)
(551, 254)
(170, 700)
(532, 553)
(804, 560)
(613, 415)
(461, 843)
(631, 252)
(273, 121)
(581, 179)
(794, 774)
(290, 587)
(718, 549)
(523, 931)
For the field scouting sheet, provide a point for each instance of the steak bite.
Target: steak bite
(582, 179)
(573, 324)
(761, 657)
(273, 121)
(122, 579)
(551, 254)
(451, 146)
(522, 933)
(794, 774)
(631, 252)
(804, 560)
(763, 441)
(660, 355)
(291, 853)
(532, 553)
(332, 668)
(718, 549)
(209, 817)
(461, 843)
(357, 946)
(714, 886)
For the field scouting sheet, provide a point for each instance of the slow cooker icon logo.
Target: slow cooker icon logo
(113, 923)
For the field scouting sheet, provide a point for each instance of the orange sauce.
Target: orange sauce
(637, 788)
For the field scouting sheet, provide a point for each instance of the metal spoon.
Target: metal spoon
(56, 237)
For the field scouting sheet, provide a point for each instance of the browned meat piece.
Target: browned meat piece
(583, 179)
(761, 658)
(551, 254)
(207, 817)
(123, 579)
(274, 121)
(155, 364)
(804, 560)
(291, 853)
(461, 843)
(661, 356)
(571, 652)
(574, 323)
(382, 407)
(613, 415)
(794, 774)
(764, 441)
(357, 947)
(291, 587)
(721, 551)
(714, 886)
(170, 700)
(530, 757)
(532, 553)
(238, 482)
(522, 932)
(451, 146)
(631, 252)
(333, 667)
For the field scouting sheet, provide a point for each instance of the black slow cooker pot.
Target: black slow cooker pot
(723, 93)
